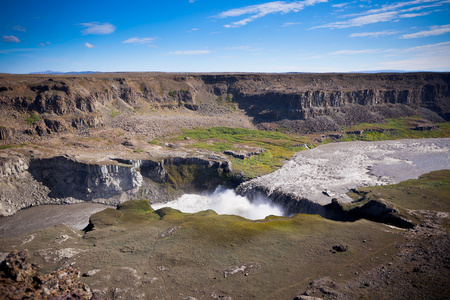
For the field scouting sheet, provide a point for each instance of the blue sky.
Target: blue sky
(224, 36)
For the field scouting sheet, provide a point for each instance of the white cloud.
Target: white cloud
(439, 47)
(89, 45)
(374, 34)
(364, 51)
(242, 48)
(19, 28)
(139, 41)
(431, 57)
(287, 24)
(386, 13)
(10, 39)
(191, 52)
(97, 28)
(340, 4)
(414, 15)
(261, 10)
(420, 63)
(435, 30)
(8, 51)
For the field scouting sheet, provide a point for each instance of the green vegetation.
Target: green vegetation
(128, 213)
(6, 146)
(393, 129)
(227, 102)
(181, 91)
(430, 192)
(281, 146)
(114, 113)
(33, 118)
(12, 146)
(278, 146)
(154, 142)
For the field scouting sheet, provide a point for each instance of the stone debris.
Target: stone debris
(168, 232)
(19, 279)
(239, 269)
(243, 154)
(339, 248)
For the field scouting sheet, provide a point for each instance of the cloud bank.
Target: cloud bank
(387, 13)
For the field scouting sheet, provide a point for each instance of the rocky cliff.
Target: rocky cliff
(26, 182)
(300, 102)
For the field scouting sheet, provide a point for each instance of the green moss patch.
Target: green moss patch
(32, 119)
(430, 192)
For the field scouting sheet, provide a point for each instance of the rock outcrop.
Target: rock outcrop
(19, 279)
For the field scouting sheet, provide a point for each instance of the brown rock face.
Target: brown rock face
(5, 133)
(308, 102)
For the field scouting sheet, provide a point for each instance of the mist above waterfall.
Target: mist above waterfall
(224, 202)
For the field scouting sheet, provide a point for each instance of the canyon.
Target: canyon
(132, 140)
(64, 116)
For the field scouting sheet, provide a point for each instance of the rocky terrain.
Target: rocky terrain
(299, 102)
(112, 137)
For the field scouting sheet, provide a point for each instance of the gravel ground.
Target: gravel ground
(330, 171)
(152, 126)
(35, 218)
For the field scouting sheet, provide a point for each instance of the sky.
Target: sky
(224, 36)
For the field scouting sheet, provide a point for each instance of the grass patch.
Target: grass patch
(394, 129)
(33, 118)
(114, 113)
(278, 146)
(7, 146)
(12, 146)
(128, 213)
(154, 142)
(430, 192)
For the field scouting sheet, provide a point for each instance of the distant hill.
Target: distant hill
(49, 72)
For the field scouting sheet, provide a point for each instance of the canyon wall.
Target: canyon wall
(26, 182)
(301, 102)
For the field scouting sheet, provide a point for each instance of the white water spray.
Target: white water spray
(224, 202)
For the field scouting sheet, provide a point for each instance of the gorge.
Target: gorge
(108, 138)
